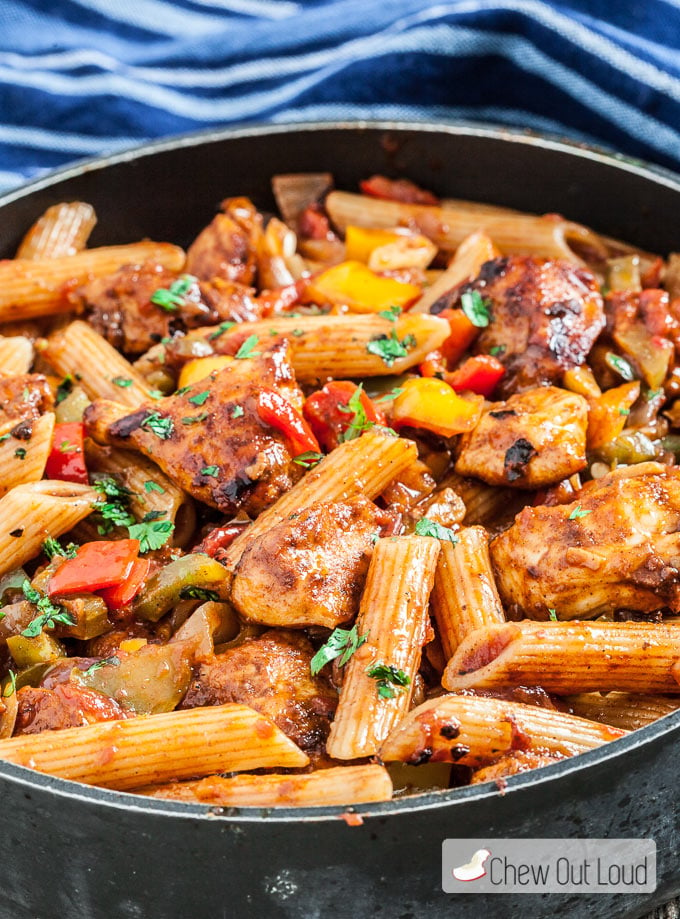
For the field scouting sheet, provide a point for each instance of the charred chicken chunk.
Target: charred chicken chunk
(23, 397)
(309, 569)
(536, 438)
(209, 437)
(272, 675)
(545, 317)
(617, 546)
(227, 247)
(119, 305)
(64, 706)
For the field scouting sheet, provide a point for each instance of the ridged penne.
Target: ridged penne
(473, 251)
(568, 657)
(150, 489)
(325, 787)
(34, 287)
(518, 234)
(464, 596)
(16, 355)
(24, 460)
(86, 355)
(626, 710)
(472, 730)
(393, 617)
(151, 749)
(63, 229)
(337, 346)
(363, 466)
(30, 513)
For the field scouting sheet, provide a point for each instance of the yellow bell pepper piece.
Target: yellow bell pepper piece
(608, 414)
(425, 402)
(362, 290)
(361, 241)
(581, 380)
(202, 367)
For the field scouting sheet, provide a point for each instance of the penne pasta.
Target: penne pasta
(470, 255)
(325, 787)
(35, 287)
(364, 466)
(79, 351)
(464, 595)
(24, 460)
(393, 617)
(550, 236)
(151, 491)
(30, 513)
(568, 657)
(626, 710)
(157, 748)
(63, 229)
(16, 355)
(473, 730)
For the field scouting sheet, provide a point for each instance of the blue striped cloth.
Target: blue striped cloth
(82, 77)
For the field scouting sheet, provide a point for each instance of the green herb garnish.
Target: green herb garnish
(157, 424)
(578, 512)
(198, 593)
(213, 471)
(427, 527)
(220, 330)
(620, 365)
(341, 643)
(50, 613)
(123, 382)
(390, 680)
(308, 459)
(200, 398)
(475, 308)
(246, 349)
(172, 298)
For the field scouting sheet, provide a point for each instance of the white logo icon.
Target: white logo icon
(475, 867)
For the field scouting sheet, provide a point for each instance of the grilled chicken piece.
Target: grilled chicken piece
(617, 546)
(545, 317)
(272, 675)
(119, 305)
(536, 438)
(209, 439)
(24, 396)
(512, 764)
(227, 247)
(65, 706)
(310, 569)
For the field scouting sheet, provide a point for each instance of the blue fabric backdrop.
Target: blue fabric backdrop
(80, 77)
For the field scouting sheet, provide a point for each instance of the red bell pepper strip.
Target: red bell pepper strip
(433, 365)
(324, 411)
(479, 374)
(276, 411)
(67, 459)
(397, 190)
(282, 298)
(122, 594)
(96, 564)
(220, 538)
(463, 333)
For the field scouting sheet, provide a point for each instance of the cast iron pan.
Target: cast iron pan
(83, 853)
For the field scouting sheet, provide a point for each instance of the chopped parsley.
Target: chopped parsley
(390, 680)
(397, 391)
(298, 332)
(52, 547)
(497, 350)
(624, 411)
(392, 313)
(112, 661)
(237, 411)
(11, 686)
(200, 398)
(427, 527)
(652, 394)
(151, 533)
(620, 365)
(578, 512)
(341, 643)
(213, 471)
(160, 426)
(198, 593)
(389, 348)
(308, 459)
(123, 382)
(475, 308)
(20, 452)
(194, 419)
(172, 298)
(246, 349)
(553, 615)
(359, 422)
(64, 389)
(67, 447)
(155, 394)
(153, 486)
(50, 613)
(220, 330)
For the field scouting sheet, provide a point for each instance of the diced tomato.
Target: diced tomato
(280, 299)
(324, 411)
(119, 596)
(273, 409)
(220, 538)
(480, 374)
(397, 190)
(433, 365)
(67, 459)
(96, 564)
(463, 333)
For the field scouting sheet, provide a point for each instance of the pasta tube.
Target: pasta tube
(102, 372)
(157, 748)
(472, 730)
(34, 287)
(464, 596)
(24, 460)
(568, 657)
(16, 355)
(325, 787)
(473, 251)
(63, 229)
(393, 617)
(364, 466)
